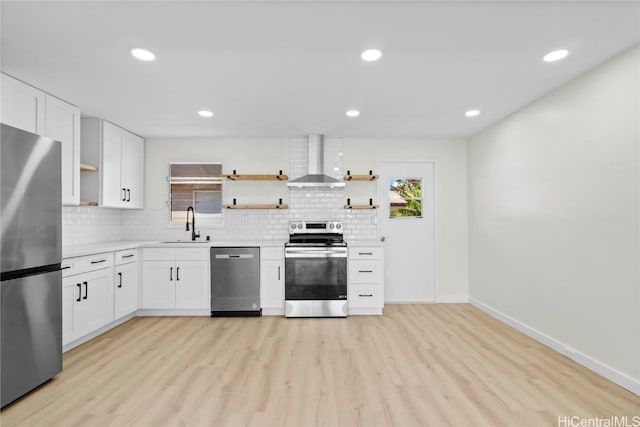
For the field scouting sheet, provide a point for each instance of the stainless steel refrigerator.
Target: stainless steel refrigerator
(31, 280)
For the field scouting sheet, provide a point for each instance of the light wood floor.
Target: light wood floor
(418, 365)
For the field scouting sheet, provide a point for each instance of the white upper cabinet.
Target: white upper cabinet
(133, 169)
(27, 108)
(120, 156)
(62, 123)
(23, 106)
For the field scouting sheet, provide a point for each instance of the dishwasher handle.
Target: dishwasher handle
(234, 256)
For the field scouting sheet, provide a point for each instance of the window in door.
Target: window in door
(405, 198)
(198, 185)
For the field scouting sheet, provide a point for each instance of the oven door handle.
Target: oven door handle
(301, 253)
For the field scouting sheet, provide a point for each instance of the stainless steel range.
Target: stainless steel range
(315, 261)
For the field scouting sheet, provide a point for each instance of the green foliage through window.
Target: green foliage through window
(405, 197)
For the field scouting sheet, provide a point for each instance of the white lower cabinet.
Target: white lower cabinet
(87, 303)
(366, 279)
(272, 280)
(175, 278)
(125, 288)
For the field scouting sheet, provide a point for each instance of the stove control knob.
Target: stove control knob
(338, 225)
(293, 226)
(331, 226)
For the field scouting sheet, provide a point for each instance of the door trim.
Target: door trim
(436, 276)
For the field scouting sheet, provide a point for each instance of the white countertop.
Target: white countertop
(365, 243)
(95, 248)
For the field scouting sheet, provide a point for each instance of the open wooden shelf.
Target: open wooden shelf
(257, 206)
(87, 168)
(88, 203)
(360, 177)
(361, 206)
(255, 177)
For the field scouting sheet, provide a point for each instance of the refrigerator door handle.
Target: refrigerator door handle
(86, 290)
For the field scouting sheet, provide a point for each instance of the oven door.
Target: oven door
(313, 273)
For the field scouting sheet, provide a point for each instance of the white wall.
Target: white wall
(362, 155)
(554, 219)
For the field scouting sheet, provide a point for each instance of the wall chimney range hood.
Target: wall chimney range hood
(316, 177)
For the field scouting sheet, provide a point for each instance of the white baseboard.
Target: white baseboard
(452, 299)
(371, 311)
(83, 339)
(173, 312)
(623, 380)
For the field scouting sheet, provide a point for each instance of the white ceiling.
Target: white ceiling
(288, 69)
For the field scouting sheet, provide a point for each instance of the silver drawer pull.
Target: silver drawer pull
(365, 295)
(365, 253)
(365, 271)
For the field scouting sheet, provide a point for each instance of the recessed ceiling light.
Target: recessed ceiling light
(205, 113)
(472, 113)
(556, 55)
(371, 55)
(352, 113)
(142, 54)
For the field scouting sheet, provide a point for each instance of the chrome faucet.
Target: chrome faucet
(194, 236)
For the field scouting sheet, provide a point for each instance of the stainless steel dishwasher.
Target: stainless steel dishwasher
(235, 281)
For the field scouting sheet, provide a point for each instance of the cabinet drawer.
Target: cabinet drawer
(192, 254)
(365, 272)
(158, 254)
(85, 264)
(366, 252)
(271, 252)
(361, 296)
(127, 256)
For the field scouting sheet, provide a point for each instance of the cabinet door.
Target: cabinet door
(133, 170)
(125, 289)
(70, 294)
(98, 297)
(192, 284)
(158, 284)
(62, 123)
(271, 284)
(22, 106)
(113, 190)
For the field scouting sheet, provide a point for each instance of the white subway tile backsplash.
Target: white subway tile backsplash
(93, 224)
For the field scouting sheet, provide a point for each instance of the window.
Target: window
(405, 197)
(198, 185)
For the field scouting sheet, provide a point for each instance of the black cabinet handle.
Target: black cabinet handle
(365, 295)
(128, 195)
(120, 277)
(177, 274)
(171, 274)
(86, 290)
(99, 261)
(127, 256)
(79, 292)
(65, 267)
(365, 271)
(124, 194)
